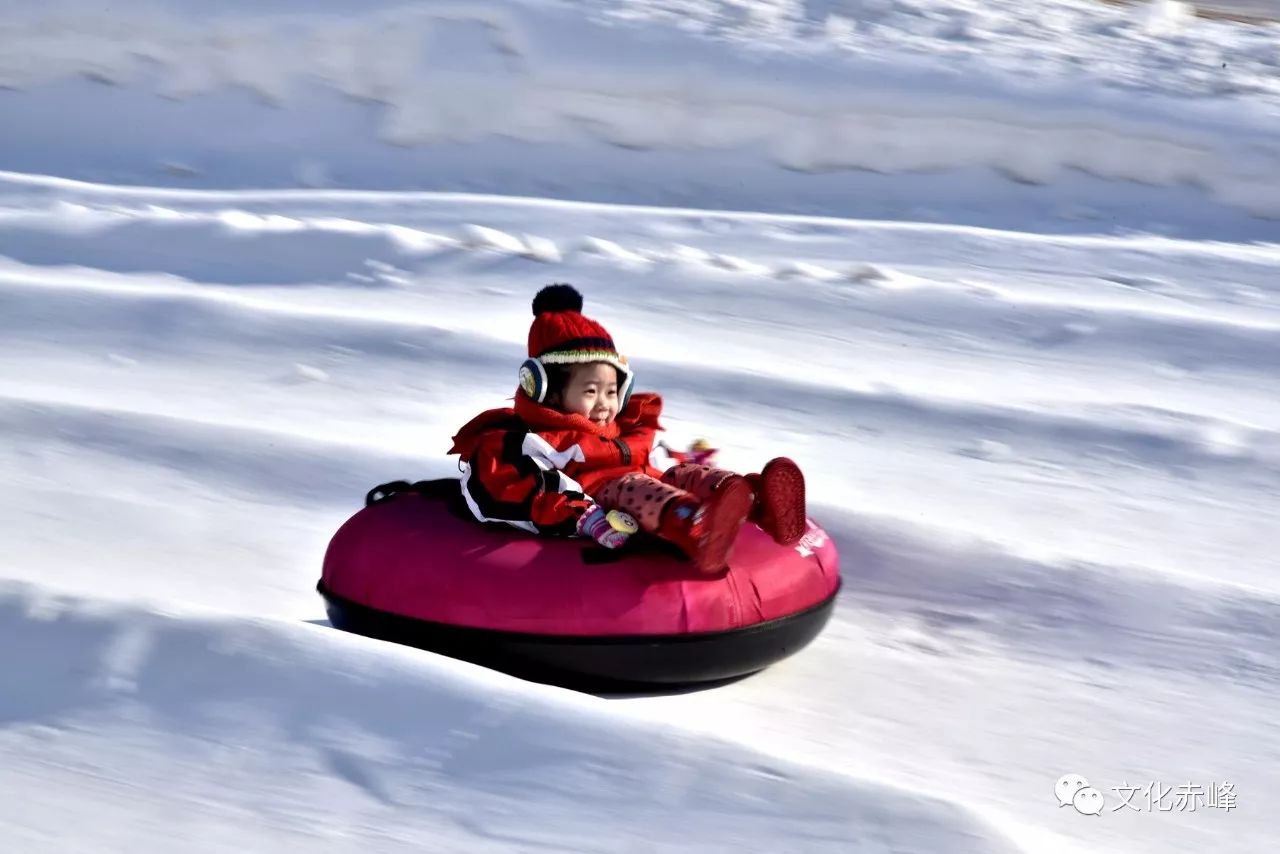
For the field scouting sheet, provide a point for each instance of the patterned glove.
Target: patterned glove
(610, 529)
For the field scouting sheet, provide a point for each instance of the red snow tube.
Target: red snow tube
(413, 567)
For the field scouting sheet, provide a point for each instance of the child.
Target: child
(577, 445)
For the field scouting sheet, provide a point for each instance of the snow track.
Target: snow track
(260, 720)
(1043, 461)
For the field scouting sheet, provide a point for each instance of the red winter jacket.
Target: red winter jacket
(535, 467)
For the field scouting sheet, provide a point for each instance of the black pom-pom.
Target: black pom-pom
(557, 297)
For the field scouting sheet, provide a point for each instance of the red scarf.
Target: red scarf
(541, 419)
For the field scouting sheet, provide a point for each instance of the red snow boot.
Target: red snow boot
(706, 532)
(779, 506)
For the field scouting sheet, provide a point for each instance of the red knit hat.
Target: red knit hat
(562, 335)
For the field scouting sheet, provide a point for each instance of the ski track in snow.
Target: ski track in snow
(132, 683)
(180, 371)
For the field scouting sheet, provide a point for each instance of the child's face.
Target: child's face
(592, 391)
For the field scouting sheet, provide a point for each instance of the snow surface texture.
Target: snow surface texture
(1050, 459)
(257, 720)
(1050, 464)
(1241, 10)
(663, 101)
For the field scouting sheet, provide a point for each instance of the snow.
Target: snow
(1001, 277)
(565, 99)
(259, 719)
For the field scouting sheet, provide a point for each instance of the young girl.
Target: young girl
(577, 445)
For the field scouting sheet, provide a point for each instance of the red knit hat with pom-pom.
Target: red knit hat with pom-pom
(562, 335)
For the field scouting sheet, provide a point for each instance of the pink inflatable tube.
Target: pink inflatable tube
(413, 567)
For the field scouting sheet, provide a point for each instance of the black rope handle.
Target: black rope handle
(435, 489)
(386, 491)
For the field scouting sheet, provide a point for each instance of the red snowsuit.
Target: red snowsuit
(537, 468)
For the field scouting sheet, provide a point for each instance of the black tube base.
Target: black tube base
(623, 663)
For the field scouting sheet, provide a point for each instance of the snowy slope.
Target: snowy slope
(1024, 541)
(893, 108)
(1040, 419)
(270, 742)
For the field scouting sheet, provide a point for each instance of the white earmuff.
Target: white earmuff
(533, 380)
(624, 393)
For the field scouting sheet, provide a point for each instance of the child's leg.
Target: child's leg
(780, 501)
(709, 540)
(699, 480)
(779, 494)
(703, 530)
(642, 496)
